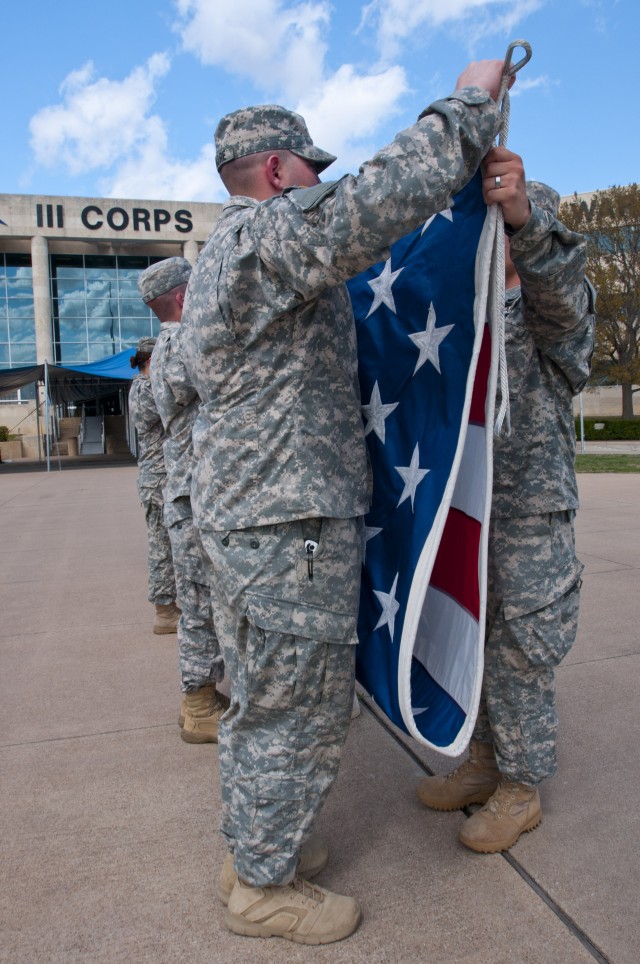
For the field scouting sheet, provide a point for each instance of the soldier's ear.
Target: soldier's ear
(273, 171)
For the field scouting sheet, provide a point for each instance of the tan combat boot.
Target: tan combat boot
(166, 620)
(472, 782)
(512, 810)
(202, 710)
(314, 854)
(299, 912)
(183, 710)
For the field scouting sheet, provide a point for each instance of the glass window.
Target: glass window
(101, 325)
(132, 329)
(103, 290)
(20, 308)
(96, 300)
(69, 353)
(67, 265)
(128, 287)
(22, 330)
(17, 322)
(73, 306)
(23, 354)
(20, 284)
(96, 264)
(132, 266)
(134, 308)
(72, 329)
(14, 262)
(99, 310)
(23, 394)
(27, 393)
(101, 349)
(66, 287)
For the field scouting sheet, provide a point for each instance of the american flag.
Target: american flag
(425, 372)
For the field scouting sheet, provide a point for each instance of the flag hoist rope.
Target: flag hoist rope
(503, 419)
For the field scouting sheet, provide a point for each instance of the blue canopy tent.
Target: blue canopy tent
(72, 383)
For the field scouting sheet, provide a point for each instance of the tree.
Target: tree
(611, 222)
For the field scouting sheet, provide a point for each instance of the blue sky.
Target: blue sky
(121, 99)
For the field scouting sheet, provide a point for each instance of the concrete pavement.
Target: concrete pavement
(108, 843)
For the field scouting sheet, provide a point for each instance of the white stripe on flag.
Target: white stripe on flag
(470, 493)
(442, 620)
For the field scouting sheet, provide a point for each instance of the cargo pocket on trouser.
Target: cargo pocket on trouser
(520, 660)
(267, 816)
(544, 636)
(287, 651)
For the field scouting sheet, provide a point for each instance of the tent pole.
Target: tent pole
(38, 423)
(46, 413)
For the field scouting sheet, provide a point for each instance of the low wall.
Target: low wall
(30, 447)
(11, 450)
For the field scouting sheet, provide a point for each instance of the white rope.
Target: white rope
(502, 424)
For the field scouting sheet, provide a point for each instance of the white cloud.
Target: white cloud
(98, 120)
(280, 46)
(107, 125)
(399, 21)
(532, 83)
(351, 107)
(150, 172)
(277, 45)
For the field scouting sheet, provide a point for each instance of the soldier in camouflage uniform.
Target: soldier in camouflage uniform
(151, 477)
(280, 471)
(534, 574)
(162, 287)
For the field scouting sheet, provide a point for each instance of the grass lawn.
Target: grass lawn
(607, 463)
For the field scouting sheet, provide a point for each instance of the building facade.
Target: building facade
(68, 276)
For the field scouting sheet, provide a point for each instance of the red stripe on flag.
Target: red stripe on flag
(479, 397)
(455, 570)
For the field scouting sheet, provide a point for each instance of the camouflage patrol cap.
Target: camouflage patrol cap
(266, 127)
(145, 346)
(159, 278)
(544, 196)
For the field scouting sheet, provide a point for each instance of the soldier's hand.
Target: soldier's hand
(504, 183)
(484, 73)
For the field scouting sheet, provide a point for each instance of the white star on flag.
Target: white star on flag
(412, 475)
(375, 413)
(442, 214)
(428, 341)
(389, 607)
(381, 287)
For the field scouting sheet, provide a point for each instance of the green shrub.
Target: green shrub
(4, 433)
(610, 430)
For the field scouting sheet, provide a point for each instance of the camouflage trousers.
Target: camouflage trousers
(287, 628)
(198, 648)
(532, 619)
(162, 583)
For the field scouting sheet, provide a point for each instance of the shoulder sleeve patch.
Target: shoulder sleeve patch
(308, 198)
